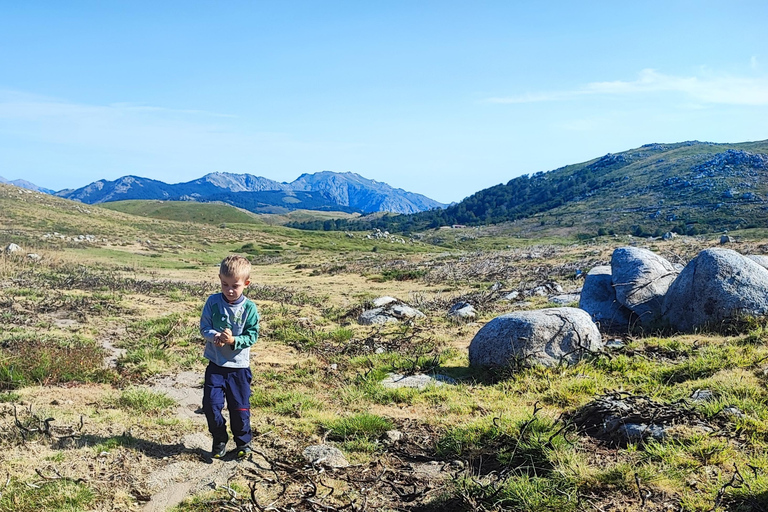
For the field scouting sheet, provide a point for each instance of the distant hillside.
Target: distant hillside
(26, 184)
(184, 211)
(688, 187)
(325, 191)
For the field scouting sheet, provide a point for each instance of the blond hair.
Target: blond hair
(235, 266)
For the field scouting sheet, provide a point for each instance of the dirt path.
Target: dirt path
(179, 479)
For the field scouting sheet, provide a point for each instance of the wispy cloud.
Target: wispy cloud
(708, 89)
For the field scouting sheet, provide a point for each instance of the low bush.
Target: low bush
(29, 359)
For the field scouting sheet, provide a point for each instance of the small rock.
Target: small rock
(668, 235)
(462, 311)
(635, 432)
(325, 455)
(393, 436)
(615, 344)
(732, 410)
(565, 299)
(34, 257)
(702, 395)
(395, 380)
(383, 301)
(12, 249)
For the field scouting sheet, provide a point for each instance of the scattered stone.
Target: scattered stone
(702, 395)
(547, 337)
(725, 239)
(392, 436)
(420, 381)
(732, 410)
(621, 418)
(391, 311)
(513, 295)
(668, 236)
(598, 298)
(565, 299)
(615, 344)
(718, 284)
(383, 301)
(641, 278)
(13, 249)
(304, 322)
(636, 432)
(325, 455)
(34, 256)
(462, 311)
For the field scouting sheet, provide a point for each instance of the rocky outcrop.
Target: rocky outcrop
(641, 278)
(716, 285)
(543, 337)
(598, 298)
(389, 310)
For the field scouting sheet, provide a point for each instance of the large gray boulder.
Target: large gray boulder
(598, 298)
(718, 284)
(641, 278)
(759, 259)
(543, 337)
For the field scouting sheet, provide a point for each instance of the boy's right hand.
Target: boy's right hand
(217, 340)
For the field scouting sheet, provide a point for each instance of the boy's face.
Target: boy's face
(232, 287)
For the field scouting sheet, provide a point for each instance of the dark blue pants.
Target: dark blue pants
(234, 384)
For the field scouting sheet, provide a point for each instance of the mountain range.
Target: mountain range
(687, 187)
(325, 190)
(26, 184)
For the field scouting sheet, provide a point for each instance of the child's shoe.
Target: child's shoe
(244, 451)
(219, 449)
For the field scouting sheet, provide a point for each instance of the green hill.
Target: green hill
(184, 211)
(687, 187)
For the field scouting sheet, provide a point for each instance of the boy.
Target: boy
(230, 325)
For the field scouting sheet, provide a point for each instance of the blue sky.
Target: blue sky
(441, 98)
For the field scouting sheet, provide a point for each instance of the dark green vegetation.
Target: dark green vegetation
(689, 188)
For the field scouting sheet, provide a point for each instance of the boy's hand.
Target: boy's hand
(226, 337)
(217, 340)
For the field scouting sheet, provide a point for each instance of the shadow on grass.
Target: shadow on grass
(148, 448)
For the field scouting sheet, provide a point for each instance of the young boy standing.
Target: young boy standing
(230, 325)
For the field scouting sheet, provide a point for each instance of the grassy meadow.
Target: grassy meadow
(112, 306)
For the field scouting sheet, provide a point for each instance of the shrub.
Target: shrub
(28, 359)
